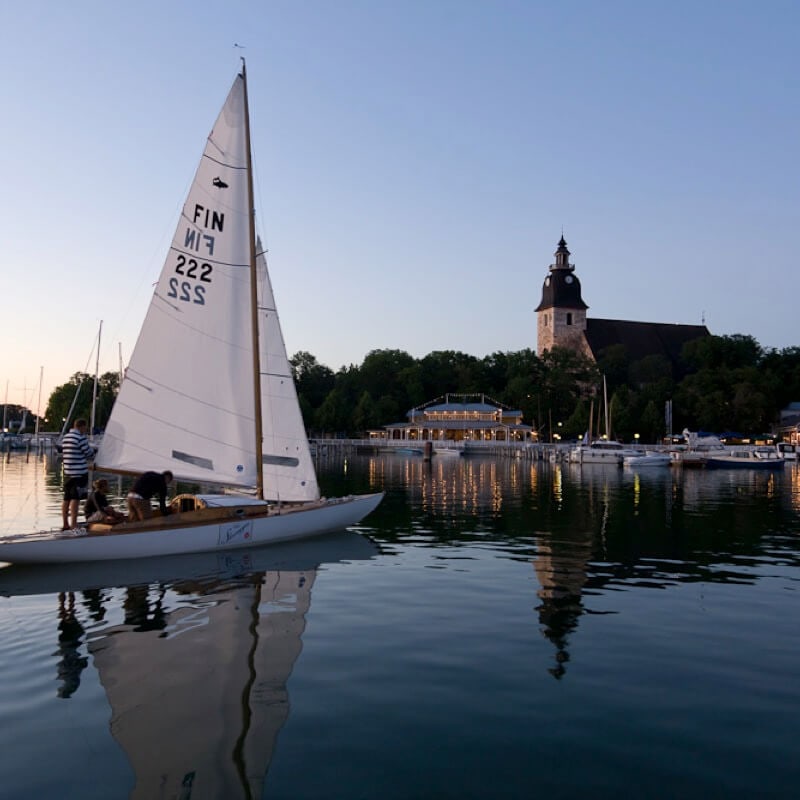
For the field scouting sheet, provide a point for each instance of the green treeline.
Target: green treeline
(720, 383)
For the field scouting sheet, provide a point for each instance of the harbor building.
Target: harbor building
(459, 418)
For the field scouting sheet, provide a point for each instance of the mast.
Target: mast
(254, 300)
(39, 404)
(96, 370)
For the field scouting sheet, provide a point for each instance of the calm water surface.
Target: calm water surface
(496, 629)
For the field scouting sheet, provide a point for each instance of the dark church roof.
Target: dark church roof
(561, 289)
(641, 339)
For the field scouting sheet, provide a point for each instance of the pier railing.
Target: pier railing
(529, 450)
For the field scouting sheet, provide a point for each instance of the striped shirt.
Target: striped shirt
(76, 452)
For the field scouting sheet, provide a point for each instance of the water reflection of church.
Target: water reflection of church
(562, 574)
(455, 496)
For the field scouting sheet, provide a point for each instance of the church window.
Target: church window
(569, 318)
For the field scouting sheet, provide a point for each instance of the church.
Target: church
(561, 321)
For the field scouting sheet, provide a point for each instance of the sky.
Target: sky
(416, 163)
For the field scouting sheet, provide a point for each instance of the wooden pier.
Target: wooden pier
(523, 450)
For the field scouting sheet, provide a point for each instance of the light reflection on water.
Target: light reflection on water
(567, 628)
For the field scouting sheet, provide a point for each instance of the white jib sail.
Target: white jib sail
(289, 474)
(186, 402)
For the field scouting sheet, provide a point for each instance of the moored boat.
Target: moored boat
(602, 451)
(650, 458)
(746, 458)
(788, 451)
(697, 450)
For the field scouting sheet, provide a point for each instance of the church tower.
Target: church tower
(561, 315)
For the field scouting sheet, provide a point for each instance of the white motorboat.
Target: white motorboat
(697, 450)
(651, 458)
(602, 451)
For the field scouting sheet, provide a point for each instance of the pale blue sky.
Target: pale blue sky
(416, 163)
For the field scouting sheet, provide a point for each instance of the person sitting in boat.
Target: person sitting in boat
(97, 509)
(147, 485)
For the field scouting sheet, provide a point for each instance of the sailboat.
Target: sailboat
(208, 393)
(602, 450)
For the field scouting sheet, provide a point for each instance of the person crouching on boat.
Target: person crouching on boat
(147, 485)
(97, 508)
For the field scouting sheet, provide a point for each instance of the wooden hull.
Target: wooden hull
(205, 530)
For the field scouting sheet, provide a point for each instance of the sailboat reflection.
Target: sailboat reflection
(196, 673)
(197, 699)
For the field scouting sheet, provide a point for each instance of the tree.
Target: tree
(651, 423)
(313, 380)
(445, 371)
(713, 352)
(614, 362)
(332, 416)
(79, 390)
(365, 415)
(722, 382)
(622, 414)
(567, 377)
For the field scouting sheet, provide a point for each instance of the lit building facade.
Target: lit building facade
(460, 417)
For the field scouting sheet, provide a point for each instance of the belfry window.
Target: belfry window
(569, 318)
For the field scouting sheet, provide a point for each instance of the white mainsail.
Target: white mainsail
(289, 473)
(186, 403)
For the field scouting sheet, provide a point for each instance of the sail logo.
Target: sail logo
(235, 533)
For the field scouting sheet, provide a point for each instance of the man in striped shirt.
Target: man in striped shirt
(77, 454)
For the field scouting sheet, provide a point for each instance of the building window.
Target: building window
(569, 318)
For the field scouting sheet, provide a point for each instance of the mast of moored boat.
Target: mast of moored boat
(96, 372)
(39, 405)
(254, 298)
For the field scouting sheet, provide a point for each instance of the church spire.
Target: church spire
(562, 255)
